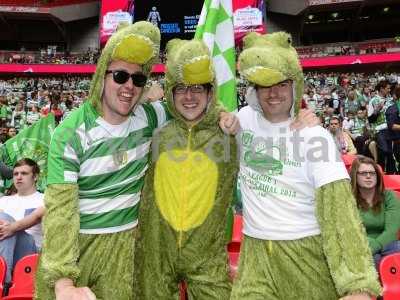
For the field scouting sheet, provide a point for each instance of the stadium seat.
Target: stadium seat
(348, 160)
(23, 280)
(237, 234)
(234, 245)
(233, 264)
(3, 272)
(390, 276)
(392, 182)
(183, 291)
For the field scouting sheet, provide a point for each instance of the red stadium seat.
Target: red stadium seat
(398, 198)
(392, 182)
(390, 276)
(23, 280)
(348, 160)
(234, 245)
(183, 291)
(3, 272)
(233, 263)
(237, 234)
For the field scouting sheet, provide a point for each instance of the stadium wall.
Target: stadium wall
(280, 22)
(86, 34)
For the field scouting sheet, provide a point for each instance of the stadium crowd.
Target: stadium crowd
(49, 55)
(24, 100)
(347, 105)
(342, 98)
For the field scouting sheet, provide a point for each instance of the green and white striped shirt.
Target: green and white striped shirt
(358, 127)
(108, 162)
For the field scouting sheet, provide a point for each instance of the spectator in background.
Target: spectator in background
(342, 139)
(360, 133)
(379, 209)
(68, 107)
(12, 132)
(393, 122)
(53, 107)
(364, 96)
(376, 116)
(18, 116)
(3, 135)
(20, 216)
(326, 117)
(33, 115)
(3, 110)
(350, 104)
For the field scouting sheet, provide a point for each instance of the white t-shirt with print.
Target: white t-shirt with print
(19, 207)
(279, 173)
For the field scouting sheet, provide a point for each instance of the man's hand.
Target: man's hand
(229, 123)
(65, 290)
(6, 230)
(305, 118)
(360, 296)
(154, 93)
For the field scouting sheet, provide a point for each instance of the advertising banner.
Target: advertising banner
(327, 2)
(178, 19)
(112, 13)
(175, 18)
(248, 15)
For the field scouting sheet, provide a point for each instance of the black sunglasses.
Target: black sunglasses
(121, 77)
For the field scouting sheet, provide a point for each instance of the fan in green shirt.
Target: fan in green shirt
(379, 208)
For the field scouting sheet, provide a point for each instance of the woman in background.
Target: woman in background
(379, 208)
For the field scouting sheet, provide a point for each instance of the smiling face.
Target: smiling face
(276, 101)
(191, 101)
(118, 100)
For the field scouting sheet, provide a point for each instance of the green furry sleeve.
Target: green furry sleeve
(61, 228)
(344, 240)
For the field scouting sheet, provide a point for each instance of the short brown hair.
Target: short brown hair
(28, 162)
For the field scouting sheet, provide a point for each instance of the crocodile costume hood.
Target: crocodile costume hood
(138, 43)
(267, 60)
(189, 62)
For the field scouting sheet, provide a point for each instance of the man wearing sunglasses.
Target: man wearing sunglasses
(97, 161)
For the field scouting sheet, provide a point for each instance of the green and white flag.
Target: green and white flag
(215, 28)
(32, 142)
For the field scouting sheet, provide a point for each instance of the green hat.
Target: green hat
(138, 43)
(269, 59)
(188, 62)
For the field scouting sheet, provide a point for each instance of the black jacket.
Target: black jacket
(393, 117)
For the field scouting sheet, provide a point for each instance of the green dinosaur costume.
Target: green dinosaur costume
(96, 173)
(187, 194)
(303, 236)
